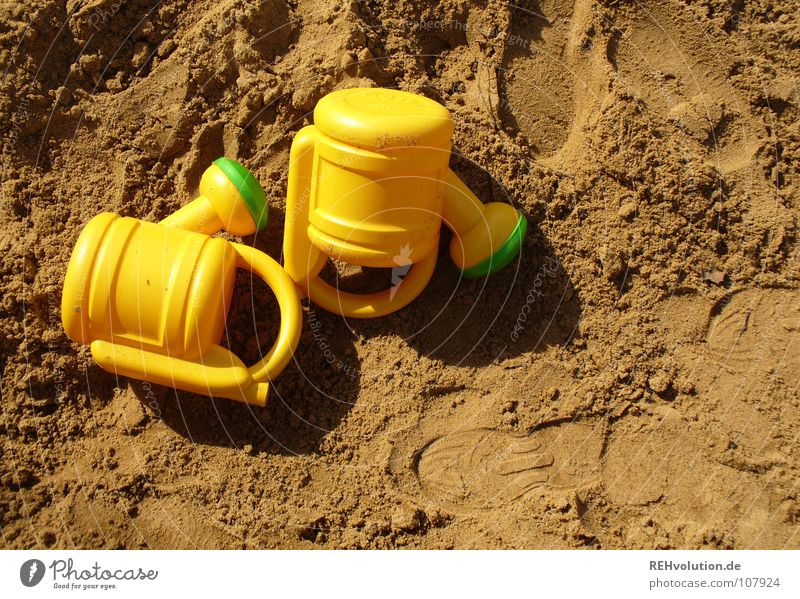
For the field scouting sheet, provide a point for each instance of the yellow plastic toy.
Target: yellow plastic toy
(152, 298)
(369, 184)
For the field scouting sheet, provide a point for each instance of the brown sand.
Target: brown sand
(631, 382)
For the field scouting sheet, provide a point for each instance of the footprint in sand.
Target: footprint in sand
(562, 58)
(681, 71)
(551, 79)
(645, 466)
(758, 327)
(487, 468)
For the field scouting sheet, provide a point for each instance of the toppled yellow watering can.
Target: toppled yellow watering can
(370, 184)
(152, 298)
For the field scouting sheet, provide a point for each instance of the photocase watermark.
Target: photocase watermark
(66, 575)
(18, 121)
(549, 270)
(512, 39)
(102, 14)
(19, 118)
(328, 353)
(434, 25)
(31, 572)
(151, 400)
(525, 119)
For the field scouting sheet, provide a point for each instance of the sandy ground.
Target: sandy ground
(630, 382)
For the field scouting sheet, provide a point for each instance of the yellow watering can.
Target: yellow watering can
(369, 184)
(152, 298)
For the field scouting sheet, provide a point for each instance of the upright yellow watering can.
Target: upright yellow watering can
(152, 298)
(370, 184)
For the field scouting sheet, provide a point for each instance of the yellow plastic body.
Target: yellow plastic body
(370, 184)
(152, 298)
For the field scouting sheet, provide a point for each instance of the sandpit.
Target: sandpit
(630, 382)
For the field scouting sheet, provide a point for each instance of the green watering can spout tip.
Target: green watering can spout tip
(249, 188)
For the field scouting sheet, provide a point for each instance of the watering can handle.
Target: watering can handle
(372, 305)
(289, 302)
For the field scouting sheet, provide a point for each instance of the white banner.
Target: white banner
(404, 574)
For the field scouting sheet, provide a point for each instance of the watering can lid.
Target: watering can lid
(377, 118)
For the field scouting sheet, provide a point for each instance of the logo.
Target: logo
(404, 262)
(31, 572)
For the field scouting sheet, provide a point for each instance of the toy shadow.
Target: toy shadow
(304, 404)
(529, 305)
(526, 307)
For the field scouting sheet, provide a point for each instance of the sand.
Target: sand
(630, 382)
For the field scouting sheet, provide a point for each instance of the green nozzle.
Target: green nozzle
(504, 254)
(249, 189)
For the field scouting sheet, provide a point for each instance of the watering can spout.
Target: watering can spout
(256, 394)
(230, 198)
(486, 237)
